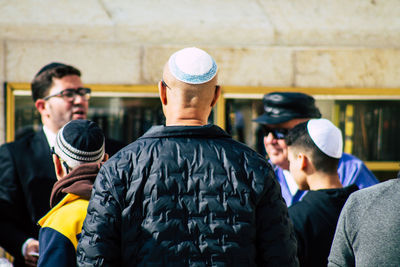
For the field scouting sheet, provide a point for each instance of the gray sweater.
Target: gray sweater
(368, 231)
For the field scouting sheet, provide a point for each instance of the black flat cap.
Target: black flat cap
(283, 106)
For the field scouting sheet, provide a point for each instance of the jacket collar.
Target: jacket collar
(78, 182)
(205, 131)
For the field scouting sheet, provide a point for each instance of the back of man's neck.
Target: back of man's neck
(320, 181)
(185, 122)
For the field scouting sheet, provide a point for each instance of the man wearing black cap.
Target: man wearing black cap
(27, 173)
(283, 111)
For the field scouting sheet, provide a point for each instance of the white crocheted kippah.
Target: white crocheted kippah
(192, 65)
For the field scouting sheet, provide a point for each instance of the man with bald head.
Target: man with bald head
(187, 194)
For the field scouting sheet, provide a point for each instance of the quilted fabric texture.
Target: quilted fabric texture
(187, 196)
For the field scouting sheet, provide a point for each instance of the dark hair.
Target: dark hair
(44, 78)
(299, 138)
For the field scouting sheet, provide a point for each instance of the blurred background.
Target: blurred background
(344, 53)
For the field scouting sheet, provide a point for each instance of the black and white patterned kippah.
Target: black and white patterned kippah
(80, 141)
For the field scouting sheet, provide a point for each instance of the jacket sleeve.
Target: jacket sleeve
(55, 249)
(11, 197)
(276, 243)
(100, 243)
(342, 251)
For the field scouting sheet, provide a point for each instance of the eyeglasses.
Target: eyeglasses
(277, 133)
(165, 84)
(70, 94)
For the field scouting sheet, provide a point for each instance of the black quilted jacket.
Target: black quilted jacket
(187, 196)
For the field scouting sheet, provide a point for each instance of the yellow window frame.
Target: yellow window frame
(227, 92)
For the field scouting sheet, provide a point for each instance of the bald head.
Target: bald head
(193, 95)
(186, 103)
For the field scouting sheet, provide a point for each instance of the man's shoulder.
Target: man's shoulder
(353, 170)
(349, 158)
(298, 207)
(300, 212)
(370, 203)
(226, 143)
(381, 194)
(225, 146)
(311, 202)
(381, 190)
(181, 135)
(66, 215)
(25, 141)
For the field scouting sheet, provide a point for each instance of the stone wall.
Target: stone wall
(303, 43)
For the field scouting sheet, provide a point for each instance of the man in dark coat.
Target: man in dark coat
(27, 173)
(187, 194)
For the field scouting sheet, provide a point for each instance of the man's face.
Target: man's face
(276, 148)
(58, 110)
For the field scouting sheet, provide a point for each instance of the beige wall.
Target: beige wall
(304, 43)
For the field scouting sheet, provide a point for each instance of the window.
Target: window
(123, 113)
(368, 118)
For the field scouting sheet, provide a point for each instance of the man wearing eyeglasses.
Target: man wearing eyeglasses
(283, 111)
(27, 173)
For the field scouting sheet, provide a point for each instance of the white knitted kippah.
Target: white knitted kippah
(326, 136)
(192, 65)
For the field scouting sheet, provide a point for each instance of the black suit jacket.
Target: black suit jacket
(27, 176)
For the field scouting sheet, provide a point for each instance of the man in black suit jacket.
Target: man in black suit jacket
(27, 172)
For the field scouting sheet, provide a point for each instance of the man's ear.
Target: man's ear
(303, 161)
(162, 90)
(58, 167)
(216, 95)
(40, 105)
